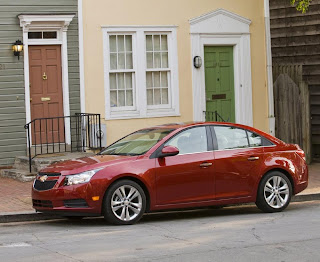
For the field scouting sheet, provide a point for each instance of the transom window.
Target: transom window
(42, 35)
(141, 72)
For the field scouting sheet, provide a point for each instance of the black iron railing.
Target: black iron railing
(214, 116)
(76, 133)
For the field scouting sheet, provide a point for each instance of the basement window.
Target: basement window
(42, 35)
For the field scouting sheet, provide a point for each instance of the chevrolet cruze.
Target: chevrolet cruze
(175, 166)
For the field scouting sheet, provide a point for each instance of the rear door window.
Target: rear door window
(229, 137)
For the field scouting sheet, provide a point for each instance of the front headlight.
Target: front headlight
(80, 178)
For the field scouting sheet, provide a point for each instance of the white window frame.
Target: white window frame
(140, 108)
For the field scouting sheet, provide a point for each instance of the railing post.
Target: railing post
(29, 145)
(100, 132)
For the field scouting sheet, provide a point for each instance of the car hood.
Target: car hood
(79, 165)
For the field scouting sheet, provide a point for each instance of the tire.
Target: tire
(124, 203)
(274, 192)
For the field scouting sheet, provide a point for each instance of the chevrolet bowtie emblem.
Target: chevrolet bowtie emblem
(43, 178)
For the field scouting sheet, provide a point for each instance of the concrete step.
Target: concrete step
(21, 175)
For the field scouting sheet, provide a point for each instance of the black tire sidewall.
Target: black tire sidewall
(108, 214)
(261, 202)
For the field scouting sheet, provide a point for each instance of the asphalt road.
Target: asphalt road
(239, 233)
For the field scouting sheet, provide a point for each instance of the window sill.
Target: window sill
(149, 114)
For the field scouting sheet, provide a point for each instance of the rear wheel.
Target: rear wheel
(274, 193)
(124, 203)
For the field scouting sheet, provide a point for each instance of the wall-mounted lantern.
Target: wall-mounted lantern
(17, 48)
(197, 62)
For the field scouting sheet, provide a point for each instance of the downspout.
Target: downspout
(271, 117)
(81, 59)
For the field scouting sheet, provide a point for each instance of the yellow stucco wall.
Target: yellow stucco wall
(167, 12)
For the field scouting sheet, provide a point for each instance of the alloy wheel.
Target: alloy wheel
(126, 203)
(276, 192)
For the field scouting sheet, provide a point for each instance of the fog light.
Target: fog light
(95, 198)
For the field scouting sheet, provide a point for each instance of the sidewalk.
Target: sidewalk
(15, 196)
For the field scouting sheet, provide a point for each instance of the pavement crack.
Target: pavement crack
(253, 230)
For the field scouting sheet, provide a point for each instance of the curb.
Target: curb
(26, 216)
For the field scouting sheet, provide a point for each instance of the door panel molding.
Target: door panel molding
(223, 28)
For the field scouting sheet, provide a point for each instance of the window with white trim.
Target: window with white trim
(141, 72)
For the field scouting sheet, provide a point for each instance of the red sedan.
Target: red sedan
(175, 166)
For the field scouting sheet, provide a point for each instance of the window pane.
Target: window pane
(150, 97)
(156, 42)
(113, 43)
(129, 63)
(149, 79)
(128, 43)
(157, 96)
(164, 43)
(128, 80)
(230, 137)
(120, 81)
(165, 98)
(157, 60)
(35, 35)
(164, 79)
(193, 140)
(129, 98)
(120, 43)
(113, 98)
(121, 98)
(149, 60)
(156, 79)
(149, 42)
(121, 61)
(50, 35)
(113, 61)
(164, 60)
(254, 139)
(113, 81)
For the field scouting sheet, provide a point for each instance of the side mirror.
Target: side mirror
(169, 151)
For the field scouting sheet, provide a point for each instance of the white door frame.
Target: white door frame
(223, 28)
(57, 23)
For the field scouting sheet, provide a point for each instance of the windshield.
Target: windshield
(137, 143)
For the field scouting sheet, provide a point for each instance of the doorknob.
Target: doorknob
(44, 77)
(205, 164)
(253, 158)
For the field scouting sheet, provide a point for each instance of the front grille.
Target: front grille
(42, 203)
(75, 203)
(46, 185)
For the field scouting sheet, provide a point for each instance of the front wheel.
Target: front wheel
(274, 193)
(124, 203)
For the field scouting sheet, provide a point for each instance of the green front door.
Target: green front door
(219, 82)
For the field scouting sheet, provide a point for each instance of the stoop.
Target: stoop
(20, 170)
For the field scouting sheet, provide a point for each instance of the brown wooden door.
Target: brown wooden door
(46, 94)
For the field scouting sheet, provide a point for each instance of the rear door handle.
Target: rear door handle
(253, 158)
(205, 164)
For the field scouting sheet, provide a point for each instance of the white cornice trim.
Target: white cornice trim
(218, 12)
(26, 20)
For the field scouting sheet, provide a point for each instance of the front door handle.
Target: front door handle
(253, 158)
(205, 164)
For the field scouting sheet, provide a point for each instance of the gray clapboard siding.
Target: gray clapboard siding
(12, 104)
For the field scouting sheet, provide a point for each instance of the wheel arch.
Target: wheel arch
(283, 171)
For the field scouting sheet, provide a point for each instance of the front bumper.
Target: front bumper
(67, 200)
